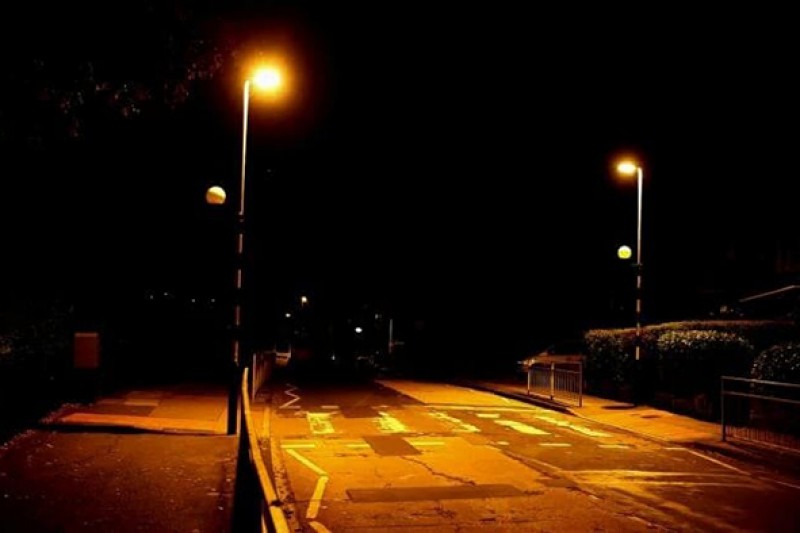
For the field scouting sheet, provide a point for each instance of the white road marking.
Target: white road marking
(717, 462)
(614, 446)
(555, 444)
(295, 397)
(316, 498)
(522, 428)
(389, 424)
(488, 415)
(320, 423)
(573, 427)
(787, 484)
(461, 426)
(311, 466)
(502, 442)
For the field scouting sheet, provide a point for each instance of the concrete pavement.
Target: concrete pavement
(142, 460)
(655, 424)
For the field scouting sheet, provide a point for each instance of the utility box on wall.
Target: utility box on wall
(86, 354)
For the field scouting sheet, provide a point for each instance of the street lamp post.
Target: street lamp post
(268, 79)
(629, 168)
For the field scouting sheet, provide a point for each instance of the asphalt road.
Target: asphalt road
(416, 456)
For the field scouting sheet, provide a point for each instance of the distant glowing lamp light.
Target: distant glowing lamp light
(624, 252)
(358, 329)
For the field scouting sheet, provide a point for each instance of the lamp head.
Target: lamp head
(627, 168)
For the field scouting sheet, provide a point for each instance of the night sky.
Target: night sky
(453, 164)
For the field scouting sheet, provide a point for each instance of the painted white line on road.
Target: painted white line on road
(425, 442)
(295, 397)
(717, 462)
(786, 484)
(502, 442)
(614, 446)
(522, 428)
(317, 470)
(675, 448)
(320, 423)
(488, 415)
(298, 445)
(316, 498)
(389, 424)
(555, 444)
(319, 528)
(461, 426)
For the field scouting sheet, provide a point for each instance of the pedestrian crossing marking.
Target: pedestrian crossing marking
(573, 427)
(461, 426)
(522, 428)
(555, 444)
(488, 415)
(389, 424)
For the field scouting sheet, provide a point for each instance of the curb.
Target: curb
(535, 400)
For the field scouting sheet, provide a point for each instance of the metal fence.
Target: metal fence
(263, 362)
(766, 412)
(557, 381)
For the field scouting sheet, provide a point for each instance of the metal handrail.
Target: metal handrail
(272, 516)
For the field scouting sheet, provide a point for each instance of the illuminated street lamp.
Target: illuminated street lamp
(629, 168)
(267, 79)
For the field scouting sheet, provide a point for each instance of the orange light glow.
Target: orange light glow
(268, 79)
(627, 168)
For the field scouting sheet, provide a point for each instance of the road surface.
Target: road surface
(415, 456)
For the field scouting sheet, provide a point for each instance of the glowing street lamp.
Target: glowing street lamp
(629, 168)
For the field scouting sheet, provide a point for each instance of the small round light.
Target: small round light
(215, 195)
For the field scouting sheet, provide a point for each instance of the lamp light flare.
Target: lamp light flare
(268, 79)
(627, 167)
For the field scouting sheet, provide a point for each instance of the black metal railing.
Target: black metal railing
(257, 506)
(760, 411)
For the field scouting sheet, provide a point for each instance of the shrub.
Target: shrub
(780, 362)
(692, 361)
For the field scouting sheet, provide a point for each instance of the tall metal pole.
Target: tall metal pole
(233, 393)
(639, 263)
